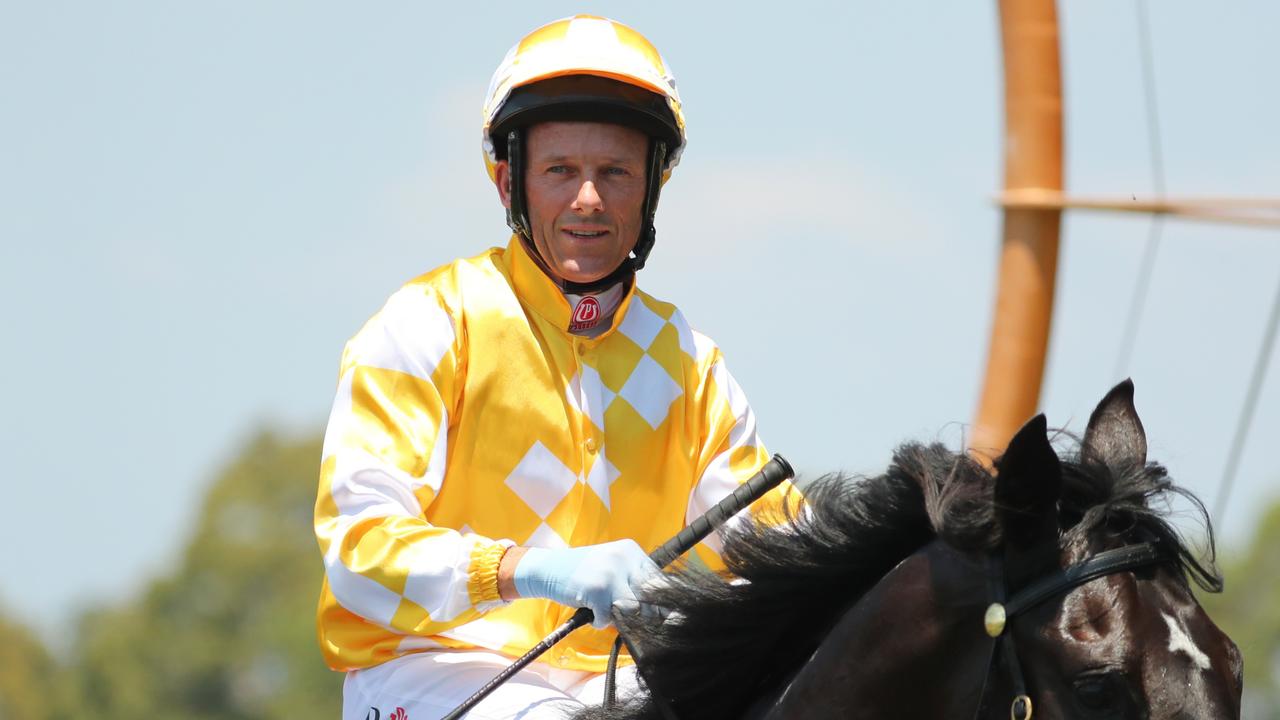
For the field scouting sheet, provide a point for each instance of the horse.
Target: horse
(947, 589)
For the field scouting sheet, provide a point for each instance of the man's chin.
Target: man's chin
(585, 275)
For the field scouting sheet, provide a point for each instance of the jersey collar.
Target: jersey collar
(539, 293)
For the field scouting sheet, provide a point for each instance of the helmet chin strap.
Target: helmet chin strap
(518, 219)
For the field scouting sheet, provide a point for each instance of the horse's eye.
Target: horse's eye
(1100, 692)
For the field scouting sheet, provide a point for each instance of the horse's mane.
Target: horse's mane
(798, 573)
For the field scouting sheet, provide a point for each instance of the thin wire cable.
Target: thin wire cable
(1139, 301)
(1246, 412)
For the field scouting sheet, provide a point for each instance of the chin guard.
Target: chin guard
(648, 234)
(517, 214)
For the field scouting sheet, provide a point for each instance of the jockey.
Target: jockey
(514, 431)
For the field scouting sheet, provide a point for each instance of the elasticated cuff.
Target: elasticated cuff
(482, 585)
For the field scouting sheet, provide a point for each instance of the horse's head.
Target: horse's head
(877, 599)
(1132, 642)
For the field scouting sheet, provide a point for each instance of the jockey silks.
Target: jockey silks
(468, 417)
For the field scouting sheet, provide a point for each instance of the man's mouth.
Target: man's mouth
(587, 234)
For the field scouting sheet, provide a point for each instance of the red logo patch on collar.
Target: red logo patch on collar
(586, 315)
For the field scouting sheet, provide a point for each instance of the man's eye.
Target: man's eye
(558, 169)
(616, 171)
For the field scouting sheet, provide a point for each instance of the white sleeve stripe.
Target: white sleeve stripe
(730, 389)
(714, 485)
(482, 632)
(411, 334)
(684, 334)
(410, 643)
(353, 460)
(703, 346)
(438, 579)
(354, 490)
(334, 531)
(744, 428)
(335, 428)
(361, 595)
(436, 465)
(744, 433)
(718, 481)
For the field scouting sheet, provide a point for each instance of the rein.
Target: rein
(1001, 612)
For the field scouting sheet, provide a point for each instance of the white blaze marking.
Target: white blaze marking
(1180, 641)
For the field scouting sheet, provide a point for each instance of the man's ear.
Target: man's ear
(502, 180)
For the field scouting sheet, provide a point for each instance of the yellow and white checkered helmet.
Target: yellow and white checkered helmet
(584, 45)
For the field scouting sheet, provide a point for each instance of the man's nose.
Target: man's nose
(588, 200)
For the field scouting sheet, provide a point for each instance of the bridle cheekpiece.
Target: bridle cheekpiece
(1000, 613)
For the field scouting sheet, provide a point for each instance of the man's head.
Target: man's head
(582, 126)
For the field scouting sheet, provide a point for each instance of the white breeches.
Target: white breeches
(427, 685)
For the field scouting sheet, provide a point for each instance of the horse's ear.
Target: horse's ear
(1115, 437)
(1028, 484)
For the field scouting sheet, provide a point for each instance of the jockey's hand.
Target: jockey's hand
(594, 577)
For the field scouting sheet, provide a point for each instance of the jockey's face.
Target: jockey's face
(584, 189)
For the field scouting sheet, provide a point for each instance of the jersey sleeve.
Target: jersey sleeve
(731, 451)
(384, 457)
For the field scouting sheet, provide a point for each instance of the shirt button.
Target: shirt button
(591, 445)
(582, 349)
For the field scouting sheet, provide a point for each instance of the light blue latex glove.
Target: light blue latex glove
(595, 576)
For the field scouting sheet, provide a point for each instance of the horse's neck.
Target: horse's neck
(896, 652)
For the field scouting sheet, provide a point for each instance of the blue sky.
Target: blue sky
(200, 202)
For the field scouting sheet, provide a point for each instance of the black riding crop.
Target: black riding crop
(769, 477)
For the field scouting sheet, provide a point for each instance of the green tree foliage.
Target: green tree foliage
(230, 634)
(32, 685)
(1248, 610)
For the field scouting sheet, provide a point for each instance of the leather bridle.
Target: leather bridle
(1001, 612)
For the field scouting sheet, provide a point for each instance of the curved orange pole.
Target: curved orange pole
(1029, 249)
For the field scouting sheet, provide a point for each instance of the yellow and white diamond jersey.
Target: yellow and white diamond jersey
(468, 418)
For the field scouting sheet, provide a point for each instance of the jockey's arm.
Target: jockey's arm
(383, 463)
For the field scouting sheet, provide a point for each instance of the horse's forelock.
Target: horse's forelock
(1134, 504)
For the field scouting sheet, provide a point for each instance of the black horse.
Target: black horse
(869, 602)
